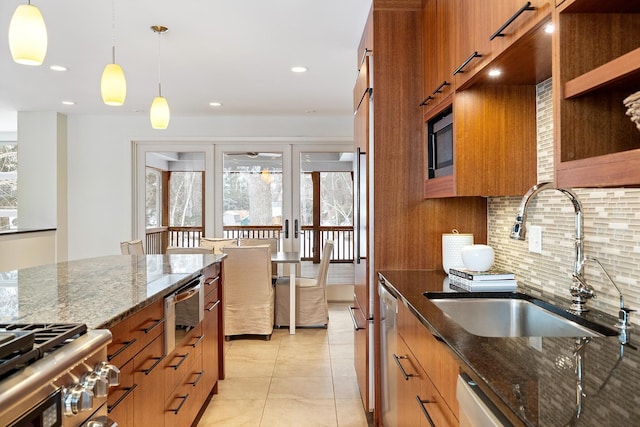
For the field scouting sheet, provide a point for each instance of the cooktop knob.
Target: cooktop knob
(96, 383)
(77, 398)
(109, 373)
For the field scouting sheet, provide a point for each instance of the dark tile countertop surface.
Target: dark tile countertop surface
(536, 381)
(96, 291)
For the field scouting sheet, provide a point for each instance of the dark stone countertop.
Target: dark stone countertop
(534, 380)
(96, 291)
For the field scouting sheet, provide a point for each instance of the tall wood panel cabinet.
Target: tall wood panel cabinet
(405, 230)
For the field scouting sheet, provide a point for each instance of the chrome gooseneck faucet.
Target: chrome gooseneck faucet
(580, 290)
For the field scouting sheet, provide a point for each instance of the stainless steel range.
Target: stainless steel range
(54, 375)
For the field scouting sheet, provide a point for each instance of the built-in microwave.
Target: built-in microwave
(440, 144)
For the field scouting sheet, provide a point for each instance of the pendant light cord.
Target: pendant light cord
(113, 31)
(159, 75)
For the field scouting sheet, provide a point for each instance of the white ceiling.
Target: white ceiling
(237, 52)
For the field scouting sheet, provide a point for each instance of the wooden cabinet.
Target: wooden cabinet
(439, 23)
(436, 361)
(147, 374)
(494, 143)
(212, 348)
(135, 342)
(158, 389)
(597, 65)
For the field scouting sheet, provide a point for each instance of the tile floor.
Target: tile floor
(306, 379)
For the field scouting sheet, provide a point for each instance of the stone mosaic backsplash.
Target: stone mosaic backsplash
(611, 231)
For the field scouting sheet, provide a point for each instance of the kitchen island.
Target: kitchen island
(169, 361)
(535, 381)
(99, 292)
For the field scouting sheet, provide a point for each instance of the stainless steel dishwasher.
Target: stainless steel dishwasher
(388, 337)
(476, 410)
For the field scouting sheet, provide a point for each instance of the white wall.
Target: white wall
(100, 165)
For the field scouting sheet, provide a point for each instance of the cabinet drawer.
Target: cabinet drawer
(184, 403)
(180, 361)
(149, 377)
(120, 404)
(212, 278)
(135, 332)
(432, 356)
(433, 406)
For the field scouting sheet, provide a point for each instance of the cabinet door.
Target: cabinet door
(516, 17)
(149, 410)
(210, 350)
(474, 48)
(439, 20)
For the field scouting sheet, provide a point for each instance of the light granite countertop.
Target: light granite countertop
(96, 291)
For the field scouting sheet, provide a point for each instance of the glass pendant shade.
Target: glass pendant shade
(159, 113)
(113, 85)
(27, 36)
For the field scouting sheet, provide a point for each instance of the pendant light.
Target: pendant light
(113, 85)
(27, 35)
(159, 113)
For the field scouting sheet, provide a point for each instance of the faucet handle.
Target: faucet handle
(623, 318)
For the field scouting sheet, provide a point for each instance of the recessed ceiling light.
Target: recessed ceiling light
(299, 69)
(549, 28)
(215, 104)
(495, 72)
(68, 103)
(58, 68)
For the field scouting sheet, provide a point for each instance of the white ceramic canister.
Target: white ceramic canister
(452, 244)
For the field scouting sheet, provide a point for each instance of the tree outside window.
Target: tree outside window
(8, 186)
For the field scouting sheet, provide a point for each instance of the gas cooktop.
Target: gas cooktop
(22, 344)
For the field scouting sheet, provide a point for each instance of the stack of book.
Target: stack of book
(478, 281)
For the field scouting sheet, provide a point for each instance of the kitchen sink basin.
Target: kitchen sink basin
(513, 315)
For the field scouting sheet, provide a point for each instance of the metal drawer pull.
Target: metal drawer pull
(128, 391)
(182, 359)
(460, 69)
(424, 410)
(353, 319)
(404, 373)
(367, 52)
(439, 89)
(211, 280)
(157, 361)
(498, 33)
(184, 399)
(426, 101)
(152, 327)
(214, 305)
(126, 345)
(195, 383)
(200, 338)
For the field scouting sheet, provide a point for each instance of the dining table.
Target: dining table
(291, 258)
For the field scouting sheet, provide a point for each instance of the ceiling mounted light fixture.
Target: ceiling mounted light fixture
(159, 113)
(113, 85)
(27, 35)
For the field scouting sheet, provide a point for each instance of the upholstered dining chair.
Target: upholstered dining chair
(248, 291)
(171, 250)
(273, 242)
(217, 243)
(312, 308)
(132, 247)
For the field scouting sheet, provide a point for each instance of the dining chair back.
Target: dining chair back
(171, 250)
(132, 247)
(217, 243)
(312, 308)
(249, 293)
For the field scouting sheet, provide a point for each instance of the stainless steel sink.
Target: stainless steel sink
(513, 315)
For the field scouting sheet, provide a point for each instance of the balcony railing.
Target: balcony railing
(158, 239)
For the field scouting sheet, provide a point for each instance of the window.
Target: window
(185, 194)
(8, 185)
(153, 205)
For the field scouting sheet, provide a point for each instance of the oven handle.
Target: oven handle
(190, 293)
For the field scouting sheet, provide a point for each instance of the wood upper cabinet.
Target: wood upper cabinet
(480, 48)
(597, 65)
(439, 51)
(494, 143)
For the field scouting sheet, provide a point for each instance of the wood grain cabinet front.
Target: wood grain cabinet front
(596, 67)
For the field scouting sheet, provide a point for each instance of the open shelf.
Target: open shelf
(623, 71)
